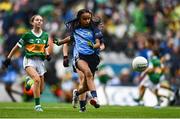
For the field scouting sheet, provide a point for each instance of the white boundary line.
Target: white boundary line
(30, 107)
(63, 107)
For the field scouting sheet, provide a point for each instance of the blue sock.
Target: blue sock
(82, 103)
(93, 93)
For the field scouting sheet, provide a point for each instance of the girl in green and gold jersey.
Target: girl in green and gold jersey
(154, 79)
(34, 43)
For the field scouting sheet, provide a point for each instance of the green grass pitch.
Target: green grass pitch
(61, 110)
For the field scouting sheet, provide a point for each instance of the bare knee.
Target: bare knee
(81, 77)
(36, 79)
(88, 75)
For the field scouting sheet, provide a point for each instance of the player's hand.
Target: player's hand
(48, 57)
(6, 62)
(55, 40)
(65, 61)
(90, 44)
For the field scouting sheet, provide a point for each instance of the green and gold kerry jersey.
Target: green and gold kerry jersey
(157, 72)
(34, 45)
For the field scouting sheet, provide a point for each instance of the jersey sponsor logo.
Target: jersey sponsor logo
(35, 48)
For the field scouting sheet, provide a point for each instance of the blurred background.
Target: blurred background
(127, 26)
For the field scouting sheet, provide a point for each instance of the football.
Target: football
(139, 63)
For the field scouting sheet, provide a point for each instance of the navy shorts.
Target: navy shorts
(93, 61)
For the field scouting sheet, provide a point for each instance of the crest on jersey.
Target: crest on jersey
(38, 40)
(31, 40)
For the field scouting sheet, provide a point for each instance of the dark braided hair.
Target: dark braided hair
(73, 24)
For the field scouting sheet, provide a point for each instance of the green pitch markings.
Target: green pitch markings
(62, 110)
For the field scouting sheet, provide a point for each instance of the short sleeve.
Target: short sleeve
(98, 34)
(21, 42)
(150, 65)
(47, 38)
(72, 37)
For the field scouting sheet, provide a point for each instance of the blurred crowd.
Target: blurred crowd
(129, 27)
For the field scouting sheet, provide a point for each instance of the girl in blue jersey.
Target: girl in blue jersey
(83, 97)
(86, 40)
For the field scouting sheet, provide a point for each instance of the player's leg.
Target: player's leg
(158, 97)
(92, 66)
(170, 95)
(177, 96)
(94, 100)
(105, 93)
(165, 85)
(81, 88)
(142, 88)
(41, 84)
(10, 91)
(9, 78)
(84, 67)
(37, 83)
(8, 88)
(88, 65)
(82, 97)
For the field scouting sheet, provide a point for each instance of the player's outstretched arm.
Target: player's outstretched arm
(13, 51)
(7, 61)
(63, 41)
(65, 55)
(143, 74)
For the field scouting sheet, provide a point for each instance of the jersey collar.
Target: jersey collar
(37, 35)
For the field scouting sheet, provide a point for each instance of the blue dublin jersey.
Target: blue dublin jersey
(81, 37)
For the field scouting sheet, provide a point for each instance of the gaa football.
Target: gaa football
(139, 63)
